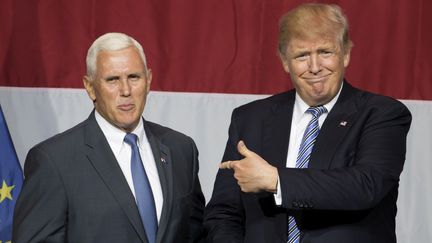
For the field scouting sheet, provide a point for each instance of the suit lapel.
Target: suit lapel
(103, 160)
(334, 129)
(276, 131)
(162, 157)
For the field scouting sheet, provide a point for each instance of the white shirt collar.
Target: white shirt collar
(301, 106)
(115, 136)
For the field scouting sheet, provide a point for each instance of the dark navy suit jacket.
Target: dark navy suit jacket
(349, 192)
(75, 191)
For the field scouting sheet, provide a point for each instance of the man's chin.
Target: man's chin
(127, 126)
(318, 88)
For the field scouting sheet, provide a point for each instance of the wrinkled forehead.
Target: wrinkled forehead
(312, 43)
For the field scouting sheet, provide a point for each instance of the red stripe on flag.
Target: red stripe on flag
(223, 46)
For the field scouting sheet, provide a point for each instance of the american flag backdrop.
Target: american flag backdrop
(208, 57)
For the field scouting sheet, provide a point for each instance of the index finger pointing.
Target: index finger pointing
(227, 165)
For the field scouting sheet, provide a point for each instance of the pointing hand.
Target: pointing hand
(253, 173)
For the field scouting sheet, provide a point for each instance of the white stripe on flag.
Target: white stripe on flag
(34, 114)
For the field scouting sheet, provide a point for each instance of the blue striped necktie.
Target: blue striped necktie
(302, 161)
(143, 191)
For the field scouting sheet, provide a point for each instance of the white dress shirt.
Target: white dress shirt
(123, 153)
(299, 122)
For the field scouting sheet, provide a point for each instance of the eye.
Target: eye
(134, 77)
(302, 57)
(325, 53)
(112, 79)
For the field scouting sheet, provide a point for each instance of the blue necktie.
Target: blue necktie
(143, 191)
(302, 161)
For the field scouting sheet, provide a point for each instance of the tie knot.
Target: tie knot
(316, 111)
(131, 139)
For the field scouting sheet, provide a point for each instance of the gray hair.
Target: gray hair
(111, 42)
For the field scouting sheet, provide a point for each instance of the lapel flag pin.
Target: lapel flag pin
(163, 160)
(343, 123)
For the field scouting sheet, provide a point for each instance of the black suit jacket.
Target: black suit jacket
(75, 191)
(349, 192)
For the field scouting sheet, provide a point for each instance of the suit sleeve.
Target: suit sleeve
(358, 179)
(224, 215)
(40, 212)
(198, 201)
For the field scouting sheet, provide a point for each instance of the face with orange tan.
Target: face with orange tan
(119, 87)
(316, 66)
(314, 47)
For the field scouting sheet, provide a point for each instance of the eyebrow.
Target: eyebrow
(136, 74)
(301, 53)
(133, 74)
(327, 48)
(320, 49)
(112, 77)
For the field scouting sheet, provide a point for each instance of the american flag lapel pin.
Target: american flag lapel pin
(343, 123)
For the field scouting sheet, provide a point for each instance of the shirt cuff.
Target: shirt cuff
(278, 195)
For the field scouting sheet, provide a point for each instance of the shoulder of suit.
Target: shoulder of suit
(268, 103)
(68, 136)
(163, 131)
(366, 100)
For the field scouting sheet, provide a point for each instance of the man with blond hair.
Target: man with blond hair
(316, 164)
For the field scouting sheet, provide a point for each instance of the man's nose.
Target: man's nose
(125, 87)
(314, 64)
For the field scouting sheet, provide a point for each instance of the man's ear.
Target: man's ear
(284, 61)
(347, 57)
(88, 85)
(285, 64)
(149, 79)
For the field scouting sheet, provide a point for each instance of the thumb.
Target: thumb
(243, 150)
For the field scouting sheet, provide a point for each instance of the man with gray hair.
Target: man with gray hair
(115, 177)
